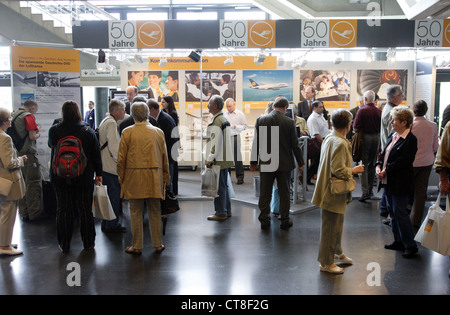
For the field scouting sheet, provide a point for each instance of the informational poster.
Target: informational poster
(332, 87)
(379, 80)
(50, 77)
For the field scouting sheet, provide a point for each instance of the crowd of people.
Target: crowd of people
(134, 153)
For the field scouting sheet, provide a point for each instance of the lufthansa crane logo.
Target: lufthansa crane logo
(150, 35)
(343, 34)
(262, 34)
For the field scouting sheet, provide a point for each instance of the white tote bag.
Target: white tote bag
(434, 232)
(101, 207)
(210, 181)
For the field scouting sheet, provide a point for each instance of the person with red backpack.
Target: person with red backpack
(76, 167)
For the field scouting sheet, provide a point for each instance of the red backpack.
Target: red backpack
(69, 160)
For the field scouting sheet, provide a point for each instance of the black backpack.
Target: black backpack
(69, 161)
(12, 132)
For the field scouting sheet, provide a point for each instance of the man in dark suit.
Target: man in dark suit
(129, 121)
(304, 108)
(132, 92)
(167, 125)
(89, 117)
(275, 144)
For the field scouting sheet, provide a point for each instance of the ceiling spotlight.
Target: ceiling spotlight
(138, 58)
(162, 62)
(101, 56)
(228, 61)
(195, 55)
(390, 55)
(259, 59)
(303, 62)
(369, 56)
(337, 60)
(280, 61)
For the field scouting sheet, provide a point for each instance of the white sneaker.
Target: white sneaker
(332, 269)
(342, 259)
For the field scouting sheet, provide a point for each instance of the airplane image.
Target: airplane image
(68, 79)
(263, 34)
(344, 33)
(152, 34)
(275, 86)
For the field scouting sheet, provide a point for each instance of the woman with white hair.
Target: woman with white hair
(143, 170)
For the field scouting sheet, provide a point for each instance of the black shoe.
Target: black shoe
(308, 182)
(287, 225)
(265, 226)
(410, 252)
(240, 181)
(364, 198)
(395, 246)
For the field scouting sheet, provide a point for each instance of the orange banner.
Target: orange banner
(212, 63)
(44, 59)
(343, 33)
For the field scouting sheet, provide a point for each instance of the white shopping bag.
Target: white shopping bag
(230, 187)
(101, 206)
(434, 232)
(210, 181)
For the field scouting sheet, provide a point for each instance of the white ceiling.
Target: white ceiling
(312, 9)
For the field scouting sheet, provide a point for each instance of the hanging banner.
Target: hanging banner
(248, 34)
(50, 77)
(329, 33)
(211, 63)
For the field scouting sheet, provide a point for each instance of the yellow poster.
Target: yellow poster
(44, 59)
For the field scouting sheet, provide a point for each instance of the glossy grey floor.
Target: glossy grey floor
(234, 257)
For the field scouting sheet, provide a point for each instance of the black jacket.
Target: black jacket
(399, 165)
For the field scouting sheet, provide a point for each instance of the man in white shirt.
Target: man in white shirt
(237, 124)
(109, 133)
(318, 128)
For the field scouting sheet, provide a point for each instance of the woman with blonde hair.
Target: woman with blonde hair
(10, 165)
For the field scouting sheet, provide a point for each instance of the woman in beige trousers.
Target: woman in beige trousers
(10, 170)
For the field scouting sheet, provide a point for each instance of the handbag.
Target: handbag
(434, 233)
(313, 148)
(102, 208)
(5, 186)
(340, 186)
(169, 204)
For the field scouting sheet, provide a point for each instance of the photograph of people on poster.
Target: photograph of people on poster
(265, 85)
(157, 83)
(379, 80)
(221, 83)
(331, 85)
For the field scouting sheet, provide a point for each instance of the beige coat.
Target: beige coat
(142, 165)
(10, 166)
(336, 160)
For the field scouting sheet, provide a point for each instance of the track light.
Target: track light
(138, 58)
(369, 56)
(259, 59)
(101, 56)
(228, 61)
(390, 55)
(337, 60)
(162, 61)
(195, 55)
(280, 61)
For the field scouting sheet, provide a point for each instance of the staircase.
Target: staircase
(59, 31)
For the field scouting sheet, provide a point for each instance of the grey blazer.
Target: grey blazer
(276, 151)
(10, 166)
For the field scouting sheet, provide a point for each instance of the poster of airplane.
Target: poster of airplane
(265, 85)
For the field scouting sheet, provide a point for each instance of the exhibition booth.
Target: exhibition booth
(252, 62)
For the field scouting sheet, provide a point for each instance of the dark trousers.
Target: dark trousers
(111, 182)
(265, 195)
(239, 167)
(72, 199)
(400, 222)
(421, 177)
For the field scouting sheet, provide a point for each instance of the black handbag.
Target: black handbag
(168, 205)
